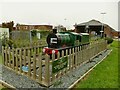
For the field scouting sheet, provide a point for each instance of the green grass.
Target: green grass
(104, 75)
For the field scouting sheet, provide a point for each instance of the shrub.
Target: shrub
(109, 40)
(10, 42)
(34, 32)
(7, 42)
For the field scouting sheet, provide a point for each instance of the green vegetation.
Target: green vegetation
(104, 75)
(109, 40)
(22, 39)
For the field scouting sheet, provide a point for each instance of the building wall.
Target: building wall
(31, 27)
(115, 34)
(43, 27)
(108, 32)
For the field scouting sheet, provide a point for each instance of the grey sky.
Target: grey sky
(54, 13)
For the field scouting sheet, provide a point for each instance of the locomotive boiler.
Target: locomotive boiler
(58, 41)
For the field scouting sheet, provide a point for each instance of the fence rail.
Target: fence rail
(43, 69)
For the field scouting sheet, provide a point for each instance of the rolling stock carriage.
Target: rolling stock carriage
(58, 41)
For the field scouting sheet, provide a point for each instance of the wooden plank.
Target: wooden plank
(62, 71)
(13, 59)
(73, 58)
(24, 59)
(53, 74)
(20, 58)
(82, 55)
(35, 50)
(40, 67)
(76, 56)
(3, 55)
(16, 55)
(34, 65)
(6, 59)
(79, 55)
(29, 64)
(47, 71)
(66, 69)
(9, 60)
(70, 59)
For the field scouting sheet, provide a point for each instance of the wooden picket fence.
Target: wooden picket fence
(46, 70)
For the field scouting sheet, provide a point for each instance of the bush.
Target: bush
(34, 32)
(10, 42)
(109, 40)
(7, 42)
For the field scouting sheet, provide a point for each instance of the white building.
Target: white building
(4, 31)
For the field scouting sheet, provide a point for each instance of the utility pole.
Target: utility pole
(65, 23)
(102, 29)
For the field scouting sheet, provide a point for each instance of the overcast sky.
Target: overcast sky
(65, 13)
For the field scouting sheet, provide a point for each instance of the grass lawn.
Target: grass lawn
(104, 75)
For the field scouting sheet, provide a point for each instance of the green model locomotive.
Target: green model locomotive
(60, 40)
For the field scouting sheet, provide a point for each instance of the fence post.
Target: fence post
(3, 55)
(24, 58)
(16, 55)
(34, 65)
(67, 60)
(6, 58)
(76, 56)
(70, 59)
(73, 58)
(29, 64)
(9, 57)
(40, 67)
(20, 58)
(13, 58)
(47, 71)
(53, 74)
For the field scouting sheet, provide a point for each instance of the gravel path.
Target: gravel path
(20, 81)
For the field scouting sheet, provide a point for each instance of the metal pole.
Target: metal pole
(65, 23)
(102, 31)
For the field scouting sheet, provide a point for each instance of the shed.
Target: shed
(89, 27)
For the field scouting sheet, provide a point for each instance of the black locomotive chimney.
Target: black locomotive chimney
(54, 31)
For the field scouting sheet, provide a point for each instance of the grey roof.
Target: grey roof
(94, 22)
(90, 23)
